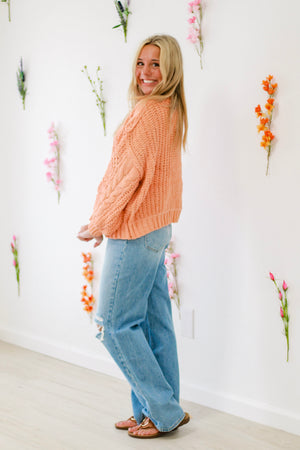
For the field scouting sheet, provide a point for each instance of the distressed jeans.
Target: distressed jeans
(135, 324)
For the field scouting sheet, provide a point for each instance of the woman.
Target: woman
(137, 201)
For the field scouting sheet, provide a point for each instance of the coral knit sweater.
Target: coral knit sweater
(142, 187)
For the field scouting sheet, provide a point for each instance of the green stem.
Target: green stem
(268, 159)
(8, 4)
(103, 122)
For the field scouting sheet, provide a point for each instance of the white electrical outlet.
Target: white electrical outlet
(187, 322)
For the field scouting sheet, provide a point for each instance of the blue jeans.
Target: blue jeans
(135, 321)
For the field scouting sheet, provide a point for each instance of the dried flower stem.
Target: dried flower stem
(123, 12)
(283, 311)
(21, 82)
(53, 164)
(266, 118)
(14, 250)
(195, 30)
(87, 296)
(200, 39)
(171, 266)
(98, 91)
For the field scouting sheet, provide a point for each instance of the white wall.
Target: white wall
(236, 226)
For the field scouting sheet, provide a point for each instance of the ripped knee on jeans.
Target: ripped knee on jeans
(100, 327)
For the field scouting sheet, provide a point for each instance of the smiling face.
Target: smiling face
(147, 70)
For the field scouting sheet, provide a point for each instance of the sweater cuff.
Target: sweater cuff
(94, 232)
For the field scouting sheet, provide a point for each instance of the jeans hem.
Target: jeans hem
(171, 428)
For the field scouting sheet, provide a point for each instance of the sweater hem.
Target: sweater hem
(135, 230)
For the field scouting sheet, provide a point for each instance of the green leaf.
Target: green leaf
(117, 26)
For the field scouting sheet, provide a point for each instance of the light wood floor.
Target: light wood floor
(47, 404)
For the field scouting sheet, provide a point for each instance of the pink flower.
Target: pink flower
(193, 35)
(170, 284)
(191, 7)
(58, 182)
(284, 286)
(14, 238)
(271, 276)
(48, 162)
(49, 176)
(175, 255)
(280, 295)
(194, 6)
(15, 263)
(281, 312)
(54, 143)
(171, 292)
(12, 245)
(192, 19)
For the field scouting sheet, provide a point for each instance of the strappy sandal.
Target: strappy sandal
(123, 424)
(148, 424)
(145, 425)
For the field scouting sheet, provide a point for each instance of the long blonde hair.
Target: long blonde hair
(171, 86)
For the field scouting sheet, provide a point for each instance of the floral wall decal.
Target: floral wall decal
(14, 249)
(123, 12)
(265, 118)
(53, 163)
(283, 310)
(21, 82)
(98, 91)
(87, 296)
(195, 28)
(171, 263)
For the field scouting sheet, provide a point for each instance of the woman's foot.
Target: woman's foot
(126, 424)
(147, 429)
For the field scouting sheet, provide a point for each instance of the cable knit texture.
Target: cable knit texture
(142, 187)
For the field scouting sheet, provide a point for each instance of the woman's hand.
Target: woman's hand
(85, 235)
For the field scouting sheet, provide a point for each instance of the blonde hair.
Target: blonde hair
(171, 86)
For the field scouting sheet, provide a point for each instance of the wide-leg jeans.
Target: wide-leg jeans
(134, 318)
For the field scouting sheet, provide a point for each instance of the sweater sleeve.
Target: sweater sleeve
(132, 158)
(114, 192)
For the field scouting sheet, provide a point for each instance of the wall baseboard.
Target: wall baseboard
(237, 406)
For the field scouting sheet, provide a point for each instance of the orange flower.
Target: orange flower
(258, 111)
(88, 308)
(86, 257)
(264, 120)
(271, 100)
(269, 135)
(269, 107)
